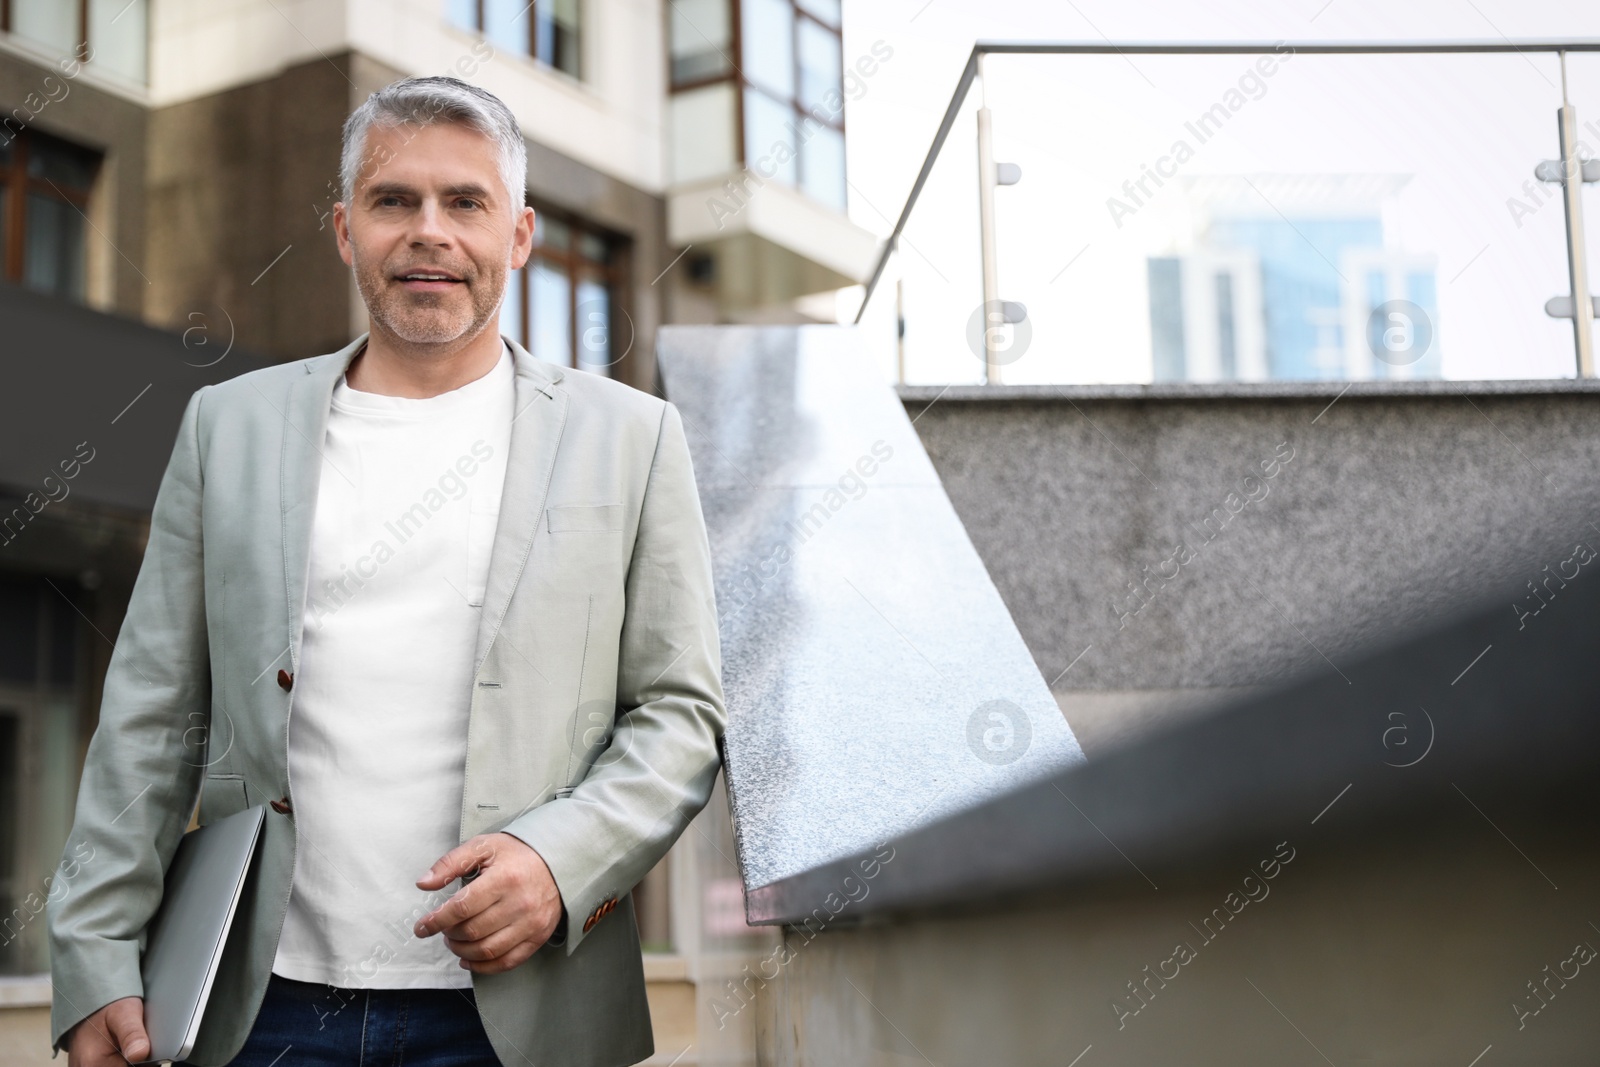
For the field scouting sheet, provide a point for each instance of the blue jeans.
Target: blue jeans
(306, 1024)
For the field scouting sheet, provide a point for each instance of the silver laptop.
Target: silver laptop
(184, 946)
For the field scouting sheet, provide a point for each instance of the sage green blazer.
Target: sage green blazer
(596, 706)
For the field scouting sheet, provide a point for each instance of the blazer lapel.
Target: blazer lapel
(305, 427)
(538, 416)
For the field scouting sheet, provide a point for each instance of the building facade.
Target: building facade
(168, 168)
(1293, 277)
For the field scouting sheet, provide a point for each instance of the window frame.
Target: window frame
(83, 20)
(742, 84)
(574, 266)
(18, 184)
(533, 42)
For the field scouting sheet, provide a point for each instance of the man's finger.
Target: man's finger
(513, 956)
(487, 922)
(468, 901)
(457, 862)
(492, 947)
(125, 1020)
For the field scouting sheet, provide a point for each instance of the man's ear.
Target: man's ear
(522, 239)
(341, 232)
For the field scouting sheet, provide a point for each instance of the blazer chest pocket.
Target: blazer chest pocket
(583, 518)
(221, 796)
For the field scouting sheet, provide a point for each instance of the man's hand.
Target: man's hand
(502, 916)
(113, 1035)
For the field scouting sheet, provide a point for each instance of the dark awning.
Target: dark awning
(77, 377)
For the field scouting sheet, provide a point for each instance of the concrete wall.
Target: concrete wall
(611, 120)
(1392, 504)
(25, 1035)
(1348, 957)
(238, 178)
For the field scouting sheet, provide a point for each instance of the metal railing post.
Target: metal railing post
(1577, 258)
(993, 316)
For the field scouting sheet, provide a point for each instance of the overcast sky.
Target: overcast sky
(1467, 130)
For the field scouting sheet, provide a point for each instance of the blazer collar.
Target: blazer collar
(538, 416)
(327, 369)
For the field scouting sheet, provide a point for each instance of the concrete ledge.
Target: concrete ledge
(874, 679)
(25, 991)
(1104, 720)
(1209, 536)
(665, 967)
(1243, 390)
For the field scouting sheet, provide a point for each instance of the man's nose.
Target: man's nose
(429, 225)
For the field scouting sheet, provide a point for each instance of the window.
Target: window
(1227, 344)
(44, 194)
(779, 111)
(700, 38)
(41, 689)
(561, 305)
(547, 30)
(116, 30)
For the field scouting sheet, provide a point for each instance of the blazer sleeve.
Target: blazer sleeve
(661, 762)
(141, 774)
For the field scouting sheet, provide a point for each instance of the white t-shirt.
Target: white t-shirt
(406, 510)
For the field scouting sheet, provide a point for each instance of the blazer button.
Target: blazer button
(282, 807)
(285, 680)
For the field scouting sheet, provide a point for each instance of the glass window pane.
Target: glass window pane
(550, 233)
(826, 10)
(53, 23)
(700, 39)
(511, 307)
(769, 137)
(768, 32)
(19, 636)
(819, 70)
(462, 13)
(11, 895)
(1165, 274)
(67, 165)
(822, 165)
(1227, 341)
(53, 256)
(703, 132)
(559, 35)
(594, 326)
(593, 248)
(508, 25)
(117, 35)
(550, 314)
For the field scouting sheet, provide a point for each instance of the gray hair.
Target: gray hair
(426, 102)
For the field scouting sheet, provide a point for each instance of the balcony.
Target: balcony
(757, 186)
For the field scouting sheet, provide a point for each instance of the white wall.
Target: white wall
(613, 120)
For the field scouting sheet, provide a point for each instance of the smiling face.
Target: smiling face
(430, 233)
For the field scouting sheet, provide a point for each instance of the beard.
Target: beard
(428, 318)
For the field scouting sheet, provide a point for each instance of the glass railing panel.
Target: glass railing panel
(1278, 216)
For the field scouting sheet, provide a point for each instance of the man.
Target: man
(443, 607)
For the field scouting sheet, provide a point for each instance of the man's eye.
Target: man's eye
(388, 201)
(468, 202)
